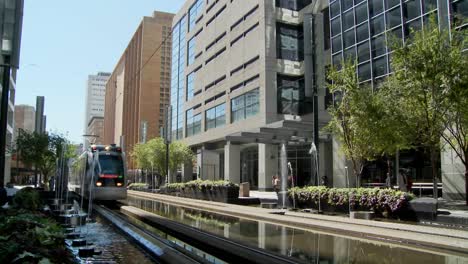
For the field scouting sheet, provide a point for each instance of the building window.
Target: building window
(191, 51)
(411, 9)
(215, 117)
(245, 106)
(291, 96)
(295, 5)
(190, 85)
(194, 12)
(193, 123)
(290, 42)
(178, 78)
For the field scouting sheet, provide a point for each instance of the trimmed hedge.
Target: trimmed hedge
(138, 186)
(219, 191)
(385, 202)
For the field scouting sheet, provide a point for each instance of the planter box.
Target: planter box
(217, 194)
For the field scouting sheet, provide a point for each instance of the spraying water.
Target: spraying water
(284, 171)
(292, 183)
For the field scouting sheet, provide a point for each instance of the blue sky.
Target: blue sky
(65, 41)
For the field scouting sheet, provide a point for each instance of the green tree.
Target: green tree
(367, 122)
(430, 82)
(345, 121)
(152, 155)
(42, 151)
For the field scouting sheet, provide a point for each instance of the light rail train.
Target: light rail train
(99, 174)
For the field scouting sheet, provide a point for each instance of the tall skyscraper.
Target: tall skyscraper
(95, 102)
(138, 89)
(39, 124)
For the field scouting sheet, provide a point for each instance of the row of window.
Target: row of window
(242, 107)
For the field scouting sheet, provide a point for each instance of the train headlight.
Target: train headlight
(119, 184)
(98, 184)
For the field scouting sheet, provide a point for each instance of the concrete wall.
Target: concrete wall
(453, 178)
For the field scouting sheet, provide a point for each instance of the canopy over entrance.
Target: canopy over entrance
(289, 131)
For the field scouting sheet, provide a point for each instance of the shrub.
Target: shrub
(377, 200)
(201, 184)
(138, 186)
(28, 199)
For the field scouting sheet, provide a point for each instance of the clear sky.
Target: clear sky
(64, 41)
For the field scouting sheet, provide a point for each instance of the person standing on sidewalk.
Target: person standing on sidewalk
(275, 182)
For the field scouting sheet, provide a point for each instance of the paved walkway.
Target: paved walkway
(424, 237)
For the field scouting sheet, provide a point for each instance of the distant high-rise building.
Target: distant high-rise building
(95, 102)
(138, 89)
(39, 125)
(25, 118)
(96, 129)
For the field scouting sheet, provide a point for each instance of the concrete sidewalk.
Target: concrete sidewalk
(450, 213)
(419, 236)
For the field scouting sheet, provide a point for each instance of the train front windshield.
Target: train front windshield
(111, 164)
(111, 170)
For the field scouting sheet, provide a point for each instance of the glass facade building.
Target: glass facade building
(178, 78)
(364, 30)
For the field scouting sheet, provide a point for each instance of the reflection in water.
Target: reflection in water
(296, 243)
(115, 248)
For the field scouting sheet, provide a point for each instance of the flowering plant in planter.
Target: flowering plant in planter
(378, 200)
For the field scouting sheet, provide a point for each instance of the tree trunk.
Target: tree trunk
(434, 173)
(466, 182)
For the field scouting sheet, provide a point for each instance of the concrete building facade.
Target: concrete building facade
(248, 82)
(40, 119)
(137, 91)
(11, 23)
(96, 128)
(25, 118)
(239, 92)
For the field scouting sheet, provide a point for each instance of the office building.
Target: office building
(364, 31)
(239, 92)
(11, 20)
(94, 105)
(25, 118)
(138, 89)
(95, 130)
(40, 119)
(248, 80)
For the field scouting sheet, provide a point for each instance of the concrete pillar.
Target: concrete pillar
(187, 172)
(267, 166)
(339, 168)
(232, 162)
(453, 178)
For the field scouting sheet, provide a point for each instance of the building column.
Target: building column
(342, 169)
(267, 166)
(187, 172)
(232, 162)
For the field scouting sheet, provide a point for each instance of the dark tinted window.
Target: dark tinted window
(375, 7)
(361, 13)
(290, 42)
(411, 9)
(293, 4)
